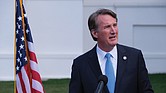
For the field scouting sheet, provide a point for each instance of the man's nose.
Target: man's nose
(112, 30)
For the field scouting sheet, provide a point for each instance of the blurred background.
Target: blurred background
(60, 32)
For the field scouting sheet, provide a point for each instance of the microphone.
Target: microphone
(102, 82)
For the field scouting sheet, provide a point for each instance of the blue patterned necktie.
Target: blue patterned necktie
(109, 71)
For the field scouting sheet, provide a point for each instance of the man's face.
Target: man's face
(107, 32)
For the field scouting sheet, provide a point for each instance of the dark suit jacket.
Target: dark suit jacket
(132, 75)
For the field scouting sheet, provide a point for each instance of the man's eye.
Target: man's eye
(108, 26)
(114, 25)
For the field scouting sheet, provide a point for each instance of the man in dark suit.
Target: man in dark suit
(129, 70)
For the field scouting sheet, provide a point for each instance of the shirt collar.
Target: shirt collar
(102, 53)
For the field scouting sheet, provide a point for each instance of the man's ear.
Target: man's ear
(94, 33)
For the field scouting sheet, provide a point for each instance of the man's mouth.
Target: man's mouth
(112, 37)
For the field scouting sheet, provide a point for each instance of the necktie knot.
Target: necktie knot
(108, 55)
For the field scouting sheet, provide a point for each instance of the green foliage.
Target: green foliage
(56, 85)
(6, 87)
(158, 82)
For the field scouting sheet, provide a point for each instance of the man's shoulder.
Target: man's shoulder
(87, 54)
(128, 48)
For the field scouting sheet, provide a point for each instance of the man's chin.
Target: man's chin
(113, 43)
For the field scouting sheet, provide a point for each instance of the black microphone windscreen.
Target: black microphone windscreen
(103, 78)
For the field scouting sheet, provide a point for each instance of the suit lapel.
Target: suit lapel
(94, 63)
(121, 66)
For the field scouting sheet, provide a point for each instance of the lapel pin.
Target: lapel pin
(124, 58)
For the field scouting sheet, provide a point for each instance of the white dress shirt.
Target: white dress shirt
(102, 60)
